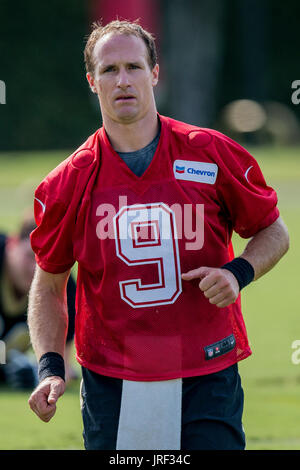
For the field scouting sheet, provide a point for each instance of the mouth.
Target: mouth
(125, 98)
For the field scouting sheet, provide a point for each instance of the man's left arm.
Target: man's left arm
(267, 247)
(263, 251)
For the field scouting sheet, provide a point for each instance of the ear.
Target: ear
(91, 81)
(155, 73)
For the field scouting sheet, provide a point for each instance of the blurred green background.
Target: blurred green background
(226, 64)
(212, 54)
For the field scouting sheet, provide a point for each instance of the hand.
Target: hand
(43, 399)
(220, 286)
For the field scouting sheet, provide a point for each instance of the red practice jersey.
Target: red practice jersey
(133, 237)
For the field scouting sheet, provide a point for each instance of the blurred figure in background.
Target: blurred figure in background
(17, 265)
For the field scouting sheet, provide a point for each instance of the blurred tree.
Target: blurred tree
(193, 52)
(261, 49)
(211, 53)
(41, 62)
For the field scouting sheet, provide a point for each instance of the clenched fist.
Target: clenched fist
(43, 399)
(220, 286)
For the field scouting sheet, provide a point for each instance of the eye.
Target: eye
(133, 66)
(109, 69)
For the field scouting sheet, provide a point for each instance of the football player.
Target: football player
(159, 328)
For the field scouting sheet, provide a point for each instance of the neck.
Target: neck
(134, 136)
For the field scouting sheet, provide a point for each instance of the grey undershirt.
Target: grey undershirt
(139, 160)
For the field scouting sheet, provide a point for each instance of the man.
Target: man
(159, 329)
(17, 265)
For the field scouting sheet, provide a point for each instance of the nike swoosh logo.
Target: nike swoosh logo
(42, 204)
(247, 171)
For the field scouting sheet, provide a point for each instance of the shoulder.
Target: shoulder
(196, 136)
(72, 171)
(81, 159)
(216, 145)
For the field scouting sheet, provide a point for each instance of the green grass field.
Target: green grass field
(271, 310)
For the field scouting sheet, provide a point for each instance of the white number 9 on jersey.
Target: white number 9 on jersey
(144, 235)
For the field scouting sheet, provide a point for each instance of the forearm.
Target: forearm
(267, 247)
(47, 317)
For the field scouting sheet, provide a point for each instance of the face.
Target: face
(123, 79)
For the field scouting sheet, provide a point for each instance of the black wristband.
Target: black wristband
(51, 363)
(242, 270)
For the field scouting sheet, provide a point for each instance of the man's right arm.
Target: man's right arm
(48, 323)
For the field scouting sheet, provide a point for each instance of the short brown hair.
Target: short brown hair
(119, 27)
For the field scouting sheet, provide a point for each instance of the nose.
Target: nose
(123, 80)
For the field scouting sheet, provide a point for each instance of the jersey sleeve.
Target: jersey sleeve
(56, 205)
(250, 204)
(52, 239)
